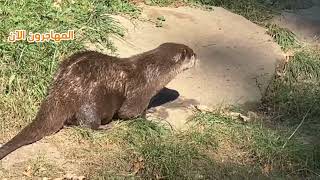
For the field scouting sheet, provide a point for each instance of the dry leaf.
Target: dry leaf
(252, 115)
(288, 55)
(244, 118)
(138, 165)
(57, 3)
(267, 168)
(28, 172)
(234, 115)
(239, 116)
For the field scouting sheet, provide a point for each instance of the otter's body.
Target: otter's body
(91, 88)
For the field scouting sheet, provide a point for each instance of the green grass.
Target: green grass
(291, 4)
(284, 37)
(258, 11)
(163, 153)
(159, 2)
(265, 142)
(295, 93)
(150, 150)
(254, 10)
(292, 101)
(27, 68)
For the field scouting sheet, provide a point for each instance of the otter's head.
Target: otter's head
(180, 56)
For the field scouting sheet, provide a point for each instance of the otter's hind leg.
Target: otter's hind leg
(87, 116)
(97, 119)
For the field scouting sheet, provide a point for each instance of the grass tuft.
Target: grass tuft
(285, 38)
(160, 3)
(293, 101)
(256, 11)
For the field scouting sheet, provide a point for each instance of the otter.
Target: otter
(90, 89)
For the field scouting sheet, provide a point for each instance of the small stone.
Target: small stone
(252, 115)
(234, 115)
(28, 172)
(243, 118)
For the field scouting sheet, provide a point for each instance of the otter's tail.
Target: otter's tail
(49, 120)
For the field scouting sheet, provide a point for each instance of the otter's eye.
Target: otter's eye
(184, 54)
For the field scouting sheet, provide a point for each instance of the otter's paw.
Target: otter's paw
(105, 127)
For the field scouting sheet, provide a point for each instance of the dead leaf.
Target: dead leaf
(57, 3)
(252, 115)
(239, 116)
(28, 172)
(244, 118)
(234, 115)
(138, 165)
(288, 55)
(267, 168)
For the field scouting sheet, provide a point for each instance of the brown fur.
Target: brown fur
(91, 88)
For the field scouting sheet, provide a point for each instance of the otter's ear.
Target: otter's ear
(181, 55)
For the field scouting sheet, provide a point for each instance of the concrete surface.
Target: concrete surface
(237, 58)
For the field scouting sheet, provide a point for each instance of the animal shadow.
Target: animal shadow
(164, 96)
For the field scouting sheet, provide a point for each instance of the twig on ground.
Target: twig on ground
(300, 124)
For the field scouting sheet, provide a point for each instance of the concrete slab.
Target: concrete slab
(237, 58)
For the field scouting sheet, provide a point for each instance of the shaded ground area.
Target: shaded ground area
(304, 22)
(237, 58)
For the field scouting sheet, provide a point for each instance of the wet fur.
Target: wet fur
(90, 89)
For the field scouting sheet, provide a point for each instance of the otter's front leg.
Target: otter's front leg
(144, 113)
(134, 108)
